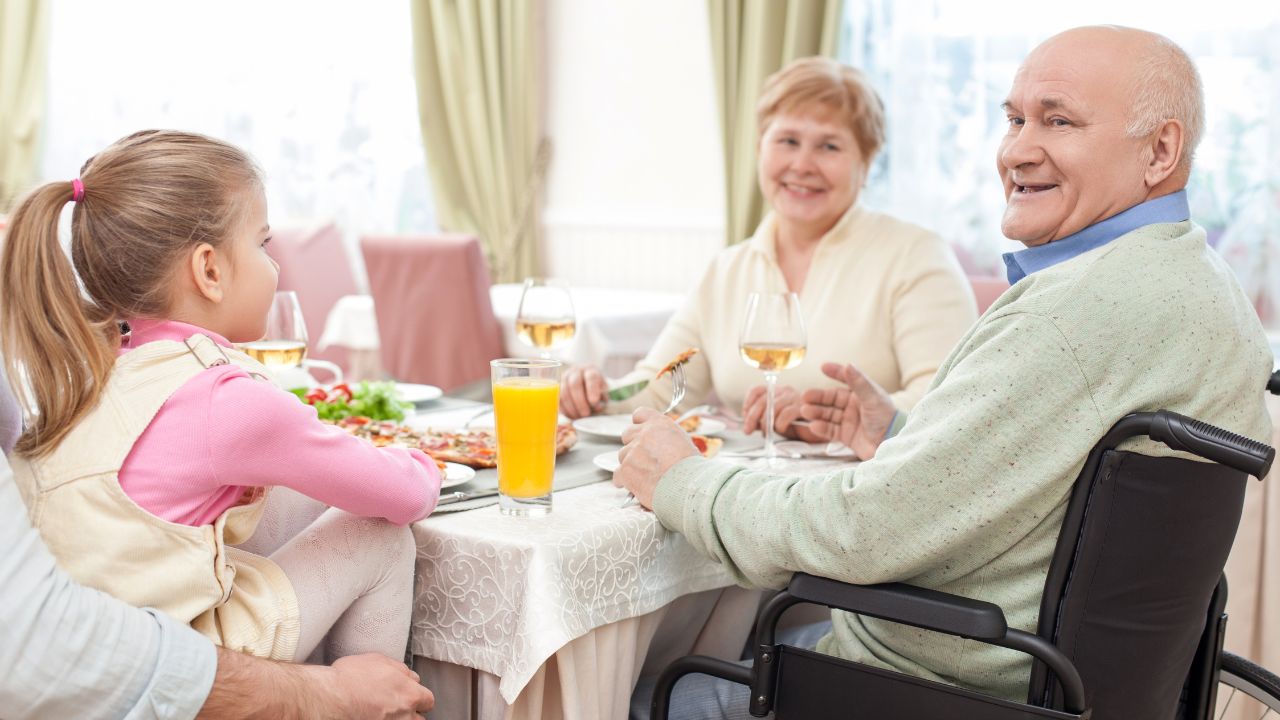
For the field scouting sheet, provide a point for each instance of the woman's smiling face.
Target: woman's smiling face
(810, 168)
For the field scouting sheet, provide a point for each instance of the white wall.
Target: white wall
(635, 190)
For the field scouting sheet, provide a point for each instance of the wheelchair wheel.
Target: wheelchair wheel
(1246, 690)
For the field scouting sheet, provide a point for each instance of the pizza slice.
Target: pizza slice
(689, 424)
(479, 448)
(473, 448)
(708, 446)
(566, 438)
(680, 359)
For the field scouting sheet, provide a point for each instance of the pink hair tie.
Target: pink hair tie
(77, 190)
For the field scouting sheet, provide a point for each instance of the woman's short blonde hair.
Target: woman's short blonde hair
(842, 90)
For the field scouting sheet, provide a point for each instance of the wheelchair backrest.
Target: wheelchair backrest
(1126, 599)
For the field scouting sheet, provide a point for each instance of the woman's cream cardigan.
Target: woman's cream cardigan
(883, 294)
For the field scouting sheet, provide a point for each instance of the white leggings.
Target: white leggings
(353, 575)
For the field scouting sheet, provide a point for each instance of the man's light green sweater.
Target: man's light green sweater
(968, 498)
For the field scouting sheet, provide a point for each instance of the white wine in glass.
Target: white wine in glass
(545, 334)
(772, 340)
(284, 347)
(545, 319)
(772, 357)
(285, 343)
(276, 353)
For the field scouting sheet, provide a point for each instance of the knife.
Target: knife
(460, 496)
(619, 394)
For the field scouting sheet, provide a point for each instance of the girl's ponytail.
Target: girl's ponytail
(58, 346)
(145, 202)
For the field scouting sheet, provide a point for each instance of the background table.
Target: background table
(615, 329)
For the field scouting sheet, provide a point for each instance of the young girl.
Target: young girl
(146, 459)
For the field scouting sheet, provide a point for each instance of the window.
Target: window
(943, 68)
(321, 93)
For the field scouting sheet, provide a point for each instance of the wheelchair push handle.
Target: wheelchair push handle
(1212, 443)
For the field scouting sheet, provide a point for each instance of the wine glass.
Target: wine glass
(772, 340)
(283, 349)
(545, 319)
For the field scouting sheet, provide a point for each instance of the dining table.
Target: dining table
(557, 616)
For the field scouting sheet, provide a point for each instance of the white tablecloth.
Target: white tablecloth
(351, 324)
(615, 327)
(557, 614)
(591, 678)
(503, 594)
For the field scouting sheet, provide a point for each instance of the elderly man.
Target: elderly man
(1117, 306)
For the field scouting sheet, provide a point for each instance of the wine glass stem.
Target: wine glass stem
(770, 380)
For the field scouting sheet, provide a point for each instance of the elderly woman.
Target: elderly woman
(883, 294)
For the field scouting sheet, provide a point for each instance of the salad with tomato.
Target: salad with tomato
(374, 400)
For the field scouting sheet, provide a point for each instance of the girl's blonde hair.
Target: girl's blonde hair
(148, 199)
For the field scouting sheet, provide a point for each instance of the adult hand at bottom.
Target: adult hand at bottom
(653, 444)
(374, 687)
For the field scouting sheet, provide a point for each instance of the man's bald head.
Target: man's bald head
(1163, 81)
(1100, 119)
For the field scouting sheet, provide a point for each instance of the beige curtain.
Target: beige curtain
(476, 64)
(24, 50)
(750, 40)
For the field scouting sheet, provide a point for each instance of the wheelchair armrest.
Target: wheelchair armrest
(906, 604)
(687, 666)
(1212, 443)
(916, 606)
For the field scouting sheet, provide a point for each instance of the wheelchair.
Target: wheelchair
(1100, 649)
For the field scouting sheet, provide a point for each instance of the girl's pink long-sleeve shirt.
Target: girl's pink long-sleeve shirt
(224, 432)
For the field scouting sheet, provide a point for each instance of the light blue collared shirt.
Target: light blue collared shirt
(68, 651)
(1165, 209)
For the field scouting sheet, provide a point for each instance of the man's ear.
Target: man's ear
(1167, 145)
(207, 273)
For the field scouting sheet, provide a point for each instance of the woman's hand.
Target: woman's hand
(582, 392)
(857, 415)
(787, 404)
(653, 444)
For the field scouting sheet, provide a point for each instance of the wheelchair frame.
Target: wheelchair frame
(1056, 689)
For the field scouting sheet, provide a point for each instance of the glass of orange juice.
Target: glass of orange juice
(526, 408)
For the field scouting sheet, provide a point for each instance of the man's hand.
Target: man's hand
(653, 444)
(582, 392)
(857, 415)
(787, 406)
(357, 687)
(375, 687)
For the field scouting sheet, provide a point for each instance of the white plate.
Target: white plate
(710, 426)
(607, 462)
(455, 474)
(413, 393)
(612, 426)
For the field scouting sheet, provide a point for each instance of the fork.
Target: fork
(677, 394)
(677, 388)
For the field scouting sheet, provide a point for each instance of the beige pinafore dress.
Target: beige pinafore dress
(104, 540)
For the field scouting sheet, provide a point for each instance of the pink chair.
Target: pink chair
(986, 288)
(314, 263)
(431, 296)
